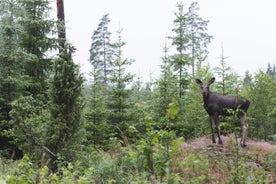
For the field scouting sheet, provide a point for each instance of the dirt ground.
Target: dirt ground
(230, 140)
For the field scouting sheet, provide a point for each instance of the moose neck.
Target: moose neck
(206, 97)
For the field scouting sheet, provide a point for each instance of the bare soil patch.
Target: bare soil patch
(230, 140)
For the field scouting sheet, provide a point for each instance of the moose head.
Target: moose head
(205, 86)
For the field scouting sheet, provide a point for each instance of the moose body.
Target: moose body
(216, 104)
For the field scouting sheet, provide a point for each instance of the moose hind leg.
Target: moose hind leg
(244, 130)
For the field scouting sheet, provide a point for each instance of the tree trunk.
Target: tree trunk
(61, 26)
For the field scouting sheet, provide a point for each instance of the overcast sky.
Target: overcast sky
(246, 28)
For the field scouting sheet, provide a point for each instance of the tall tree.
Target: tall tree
(65, 105)
(191, 40)
(101, 52)
(36, 42)
(96, 114)
(180, 60)
(199, 39)
(166, 90)
(65, 97)
(119, 94)
(10, 72)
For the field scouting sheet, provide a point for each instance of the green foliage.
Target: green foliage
(29, 117)
(271, 70)
(262, 95)
(164, 93)
(119, 94)
(65, 104)
(180, 61)
(227, 83)
(25, 43)
(10, 73)
(25, 173)
(173, 161)
(198, 38)
(101, 53)
(35, 42)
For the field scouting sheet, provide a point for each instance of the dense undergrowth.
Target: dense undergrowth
(158, 158)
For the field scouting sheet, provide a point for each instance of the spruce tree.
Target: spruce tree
(227, 83)
(165, 91)
(262, 105)
(36, 42)
(190, 40)
(180, 60)
(98, 131)
(198, 38)
(10, 73)
(101, 52)
(118, 103)
(65, 105)
(65, 98)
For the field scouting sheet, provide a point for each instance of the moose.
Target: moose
(216, 104)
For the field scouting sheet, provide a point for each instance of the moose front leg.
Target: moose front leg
(213, 126)
(216, 118)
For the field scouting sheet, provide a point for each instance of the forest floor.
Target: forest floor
(252, 145)
(257, 155)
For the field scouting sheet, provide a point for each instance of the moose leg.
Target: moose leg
(216, 119)
(212, 123)
(244, 129)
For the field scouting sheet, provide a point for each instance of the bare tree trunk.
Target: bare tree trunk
(61, 26)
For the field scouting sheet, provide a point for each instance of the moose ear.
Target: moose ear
(212, 80)
(198, 81)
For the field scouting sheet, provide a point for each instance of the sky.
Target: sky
(245, 28)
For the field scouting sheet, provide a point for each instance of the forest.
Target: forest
(57, 126)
